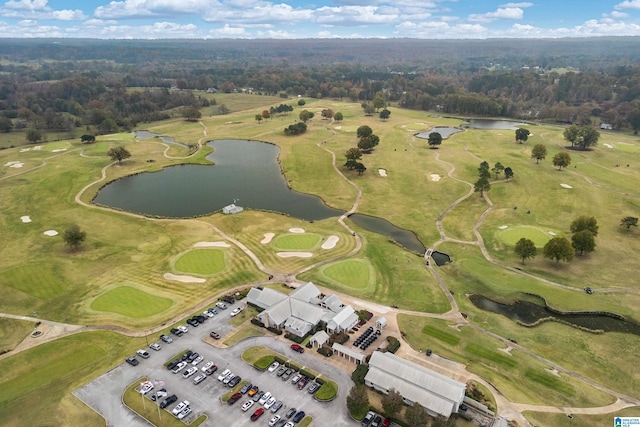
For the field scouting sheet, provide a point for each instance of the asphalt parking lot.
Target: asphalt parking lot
(104, 393)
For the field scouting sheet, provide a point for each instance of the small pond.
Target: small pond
(403, 237)
(440, 258)
(529, 313)
(445, 131)
(488, 124)
(143, 134)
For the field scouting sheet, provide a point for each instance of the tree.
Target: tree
(266, 114)
(306, 115)
(583, 241)
(525, 249)
(584, 222)
(562, 160)
(522, 135)
(483, 170)
(628, 222)
(191, 114)
(379, 102)
(368, 109)
(508, 173)
(416, 415)
(582, 137)
(258, 118)
(5, 124)
(33, 135)
(295, 129)
(571, 134)
(338, 117)
(118, 153)
(353, 153)
(222, 109)
(358, 400)
(435, 139)
(498, 169)
(327, 113)
(368, 143)
(73, 236)
(87, 138)
(481, 186)
(360, 168)
(558, 249)
(539, 152)
(301, 102)
(392, 403)
(351, 164)
(384, 114)
(364, 130)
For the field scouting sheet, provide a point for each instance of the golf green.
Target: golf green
(201, 261)
(511, 235)
(297, 242)
(355, 274)
(130, 302)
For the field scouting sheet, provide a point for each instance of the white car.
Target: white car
(274, 366)
(199, 379)
(189, 372)
(274, 420)
(155, 346)
(248, 404)
(226, 379)
(207, 366)
(186, 411)
(183, 328)
(146, 388)
(179, 367)
(289, 424)
(197, 360)
(180, 406)
(236, 311)
(221, 305)
(143, 353)
(224, 374)
(207, 313)
(264, 398)
(296, 378)
(269, 403)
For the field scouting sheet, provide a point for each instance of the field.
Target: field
(117, 277)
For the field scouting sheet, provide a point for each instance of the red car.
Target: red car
(257, 414)
(386, 422)
(297, 347)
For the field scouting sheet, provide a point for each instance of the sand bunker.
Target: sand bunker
(25, 218)
(24, 150)
(267, 238)
(382, 172)
(552, 233)
(434, 177)
(294, 254)
(608, 145)
(565, 186)
(502, 227)
(338, 127)
(14, 164)
(183, 279)
(51, 233)
(212, 245)
(57, 150)
(330, 243)
(37, 147)
(296, 230)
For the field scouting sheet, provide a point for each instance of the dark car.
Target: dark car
(176, 332)
(376, 421)
(298, 417)
(186, 355)
(245, 388)
(132, 361)
(257, 414)
(228, 299)
(588, 290)
(234, 381)
(200, 318)
(166, 339)
(258, 395)
(297, 347)
(234, 398)
(290, 413)
(168, 401)
(173, 364)
(192, 356)
(211, 370)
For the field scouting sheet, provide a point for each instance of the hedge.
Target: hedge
(325, 351)
(327, 391)
(257, 322)
(359, 373)
(275, 330)
(394, 344)
(294, 338)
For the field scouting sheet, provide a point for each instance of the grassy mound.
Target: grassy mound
(130, 302)
(297, 242)
(202, 261)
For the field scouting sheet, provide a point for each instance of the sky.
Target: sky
(295, 19)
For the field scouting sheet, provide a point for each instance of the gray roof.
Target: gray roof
(306, 292)
(333, 303)
(348, 351)
(319, 337)
(435, 392)
(344, 319)
(264, 298)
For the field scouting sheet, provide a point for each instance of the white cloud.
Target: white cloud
(27, 5)
(616, 15)
(147, 8)
(500, 13)
(628, 4)
(38, 9)
(523, 5)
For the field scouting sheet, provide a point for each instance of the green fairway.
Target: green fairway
(511, 235)
(130, 302)
(202, 261)
(297, 241)
(354, 273)
(12, 332)
(42, 281)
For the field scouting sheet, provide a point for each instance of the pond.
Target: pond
(445, 131)
(403, 237)
(529, 313)
(488, 124)
(143, 134)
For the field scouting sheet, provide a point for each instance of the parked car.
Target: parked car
(236, 311)
(168, 401)
(226, 379)
(183, 328)
(257, 414)
(193, 322)
(146, 388)
(287, 374)
(214, 335)
(173, 364)
(183, 414)
(155, 346)
(166, 339)
(248, 404)
(303, 382)
(187, 355)
(223, 375)
(193, 356)
(276, 406)
(180, 406)
(207, 365)
(197, 360)
(289, 424)
(234, 381)
(281, 371)
(132, 361)
(273, 366)
(290, 413)
(189, 372)
(368, 418)
(143, 353)
(211, 370)
(376, 421)
(253, 390)
(221, 305)
(199, 379)
(274, 420)
(245, 388)
(212, 311)
(176, 332)
(264, 398)
(296, 378)
(298, 417)
(386, 422)
(228, 299)
(179, 367)
(269, 403)
(234, 398)
(258, 395)
(297, 347)
(313, 387)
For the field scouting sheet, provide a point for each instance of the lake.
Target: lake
(488, 124)
(444, 131)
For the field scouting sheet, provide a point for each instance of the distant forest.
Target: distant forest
(64, 85)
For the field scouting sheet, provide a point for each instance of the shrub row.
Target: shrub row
(294, 338)
(393, 345)
(325, 351)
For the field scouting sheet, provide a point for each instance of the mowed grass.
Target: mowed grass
(13, 332)
(131, 302)
(583, 420)
(296, 241)
(243, 333)
(511, 235)
(202, 261)
(37, 280)
(355, 273)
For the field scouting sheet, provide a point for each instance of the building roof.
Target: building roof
(344, 319)
(435, 392)
(320, 338)
(333, 303)
(306, 292)
(381, 321)
(264, 297)
(348, 351)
